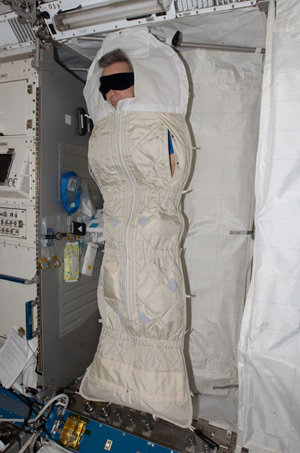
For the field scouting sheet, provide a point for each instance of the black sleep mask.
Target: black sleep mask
(120, 81)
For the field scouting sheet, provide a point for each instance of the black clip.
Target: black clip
(79, 229)
(57, 236)
(207, 440)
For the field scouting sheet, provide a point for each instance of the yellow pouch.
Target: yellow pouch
(71, 262)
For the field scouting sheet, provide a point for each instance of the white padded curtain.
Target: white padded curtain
(269, 413)
(224, 117)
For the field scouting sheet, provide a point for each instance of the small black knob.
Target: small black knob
(117, 414)
(88, 405)
(191, 440)
(131, 420)
(103, 410)
(45, 14)
(147, 425)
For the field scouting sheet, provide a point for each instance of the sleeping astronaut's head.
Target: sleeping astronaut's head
(117, 80)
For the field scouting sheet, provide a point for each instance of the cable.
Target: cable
(49, 435)
(21, 428)
(25, 399)
(30, 363)
(28, 421)
(13, 420)
(57, 397)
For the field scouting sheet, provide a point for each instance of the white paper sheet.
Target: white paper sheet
(14, 357)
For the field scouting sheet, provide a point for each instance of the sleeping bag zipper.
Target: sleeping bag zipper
(127, 308)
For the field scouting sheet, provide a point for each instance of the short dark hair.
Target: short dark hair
(115, 56)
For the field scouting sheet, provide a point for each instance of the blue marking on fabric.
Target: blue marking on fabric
(172, 285)
(115, 222)
(171, 149)
(143, 318)
(143, 221)
(94, 225)
(119, 313)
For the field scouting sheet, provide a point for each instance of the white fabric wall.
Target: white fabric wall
(237, 27)
(269, 414)
(224, 118)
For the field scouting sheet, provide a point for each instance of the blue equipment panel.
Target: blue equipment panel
(98, 437)
(104, 438)
(12, 407)
(92, 436)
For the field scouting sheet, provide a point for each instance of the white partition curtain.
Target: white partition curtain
(224, 117)
(269, 413)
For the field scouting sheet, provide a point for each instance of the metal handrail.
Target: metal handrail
(23, 281)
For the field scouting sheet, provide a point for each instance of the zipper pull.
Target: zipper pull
(120, 105)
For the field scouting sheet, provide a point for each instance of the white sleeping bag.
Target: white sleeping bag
(139, 361)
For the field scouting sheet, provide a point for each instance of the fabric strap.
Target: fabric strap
(119, 81)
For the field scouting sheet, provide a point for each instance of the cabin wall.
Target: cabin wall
(269, 410)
